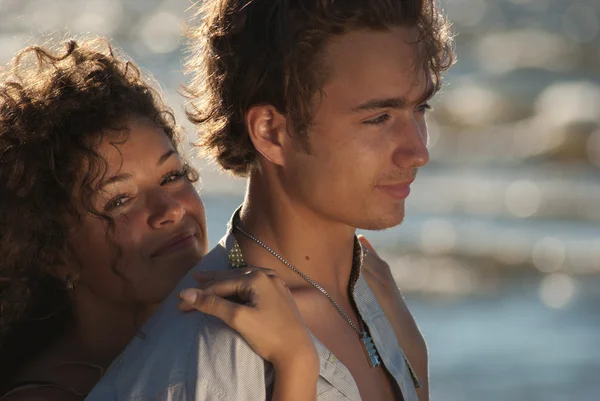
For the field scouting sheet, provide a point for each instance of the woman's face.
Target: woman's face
(159, 221)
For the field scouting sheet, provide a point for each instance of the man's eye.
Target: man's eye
(378, 120)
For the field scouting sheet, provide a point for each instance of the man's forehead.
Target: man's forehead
(425, 85)
(376, 57)
(413, 87)
(401, 42)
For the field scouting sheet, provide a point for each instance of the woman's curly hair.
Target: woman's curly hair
(56, 106)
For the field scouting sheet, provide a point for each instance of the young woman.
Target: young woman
(99, 220)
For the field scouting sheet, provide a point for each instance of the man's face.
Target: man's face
(369, 135)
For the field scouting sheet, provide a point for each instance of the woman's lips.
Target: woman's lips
(176, 244)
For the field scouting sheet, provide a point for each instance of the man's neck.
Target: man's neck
(320, 248)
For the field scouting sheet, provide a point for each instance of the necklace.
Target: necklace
(373, 356)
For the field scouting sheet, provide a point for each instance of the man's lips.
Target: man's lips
(397, 191)
(175, 243)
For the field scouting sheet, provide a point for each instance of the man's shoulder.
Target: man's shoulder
(383, 287)
(205, 361)
(382, 284)
(184, 352)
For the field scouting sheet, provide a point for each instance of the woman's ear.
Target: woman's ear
(68, 276)
(68, 271)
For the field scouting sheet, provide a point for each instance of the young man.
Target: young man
(321, 104)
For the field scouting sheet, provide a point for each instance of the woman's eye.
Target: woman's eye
(423, 108)
(174, 176)
(117, 202)
(378, 120)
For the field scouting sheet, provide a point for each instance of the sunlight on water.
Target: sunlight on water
(473, 104)
(539, 136)
(437, 237)
(161, 32)
(523, 198)
(557, 290)
(99, 16)
(451, 278)
(585, 257)
(466, 12)
(501, 53)
(567, 102)
(580, 23)
(548, 255)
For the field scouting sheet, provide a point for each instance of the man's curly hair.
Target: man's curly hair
(250, 52)
(56, 106)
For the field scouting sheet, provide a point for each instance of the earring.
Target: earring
(70, 282)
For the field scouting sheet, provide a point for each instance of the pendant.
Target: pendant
(374, 359)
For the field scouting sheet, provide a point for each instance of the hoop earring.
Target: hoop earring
(70, 282)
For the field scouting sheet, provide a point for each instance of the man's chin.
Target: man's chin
(382, 222)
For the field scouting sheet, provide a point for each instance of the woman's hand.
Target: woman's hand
(259, 306)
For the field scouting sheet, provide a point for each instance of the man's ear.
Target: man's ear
(267, 129)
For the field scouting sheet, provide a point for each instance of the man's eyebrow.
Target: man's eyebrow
(373, 104)
(394, 102)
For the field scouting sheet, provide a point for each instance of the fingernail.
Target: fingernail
(189, 295)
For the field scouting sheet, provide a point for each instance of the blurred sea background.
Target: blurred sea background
(499, 256)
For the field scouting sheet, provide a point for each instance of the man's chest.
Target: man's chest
(345, 345)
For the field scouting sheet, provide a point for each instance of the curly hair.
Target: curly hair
(250, 52)
(56, 106)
